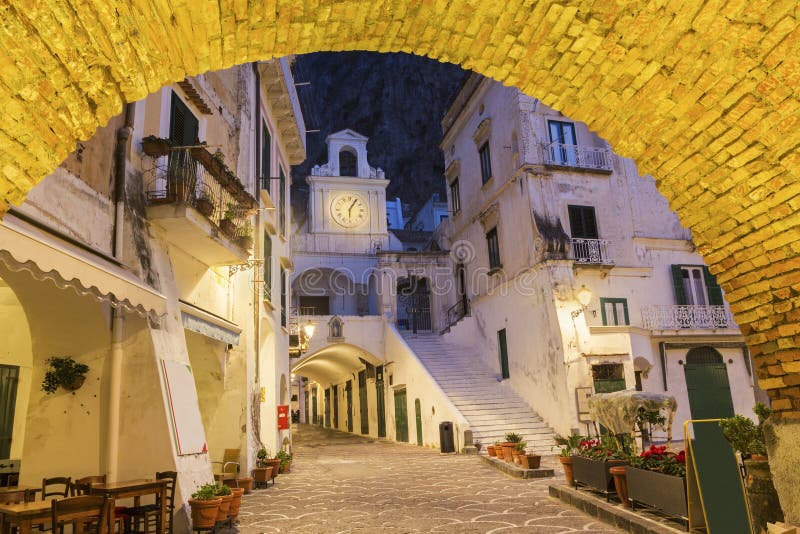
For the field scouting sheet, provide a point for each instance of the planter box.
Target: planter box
(666, 493)
(594, 473)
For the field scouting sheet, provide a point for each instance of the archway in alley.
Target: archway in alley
(704, 97)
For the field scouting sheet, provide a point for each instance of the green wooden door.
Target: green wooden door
(501, 341)
(336, 407)
(362, 401)
(314, 405)
(9, 377)
(709, 390)
(401, 415)
(348, 388)
(328, 407)
(418, 415)
(381, 402)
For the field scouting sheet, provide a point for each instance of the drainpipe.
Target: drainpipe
(118, 320)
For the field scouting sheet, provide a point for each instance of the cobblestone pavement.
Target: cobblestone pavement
(342, 483)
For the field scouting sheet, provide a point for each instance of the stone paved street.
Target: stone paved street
(345, 483)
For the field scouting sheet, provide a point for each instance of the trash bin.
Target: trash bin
(446, 439)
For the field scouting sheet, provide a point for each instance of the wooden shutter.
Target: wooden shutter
(582, 222)
(267, 267)
(714, 290)
(266, 163)
(183, 126)
(677, 285)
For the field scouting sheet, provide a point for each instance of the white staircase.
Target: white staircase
(491, 406)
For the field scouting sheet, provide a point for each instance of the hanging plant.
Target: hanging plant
(63, 372)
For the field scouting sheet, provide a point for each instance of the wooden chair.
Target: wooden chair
(82, 486)
(230, 467)
(55, 492)
(150, 512)
(86, 513)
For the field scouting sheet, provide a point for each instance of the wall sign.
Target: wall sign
(283, 417)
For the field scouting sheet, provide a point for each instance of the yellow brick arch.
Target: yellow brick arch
(702, 94)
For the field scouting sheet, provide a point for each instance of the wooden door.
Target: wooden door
(362, 401)
(381, 402)
(501, 341)
(336, 407)
(709, 390)
(401, 415)
(328, 407)
(418, 418)
(348, 388)
(9, 378)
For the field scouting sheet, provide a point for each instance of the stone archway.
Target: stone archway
(704, 96)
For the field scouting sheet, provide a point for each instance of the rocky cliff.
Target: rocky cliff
(397, 100)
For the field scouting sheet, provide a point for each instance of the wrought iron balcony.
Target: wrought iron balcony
(679, 316)
(217, 228)
(592, 251)
(577, 157)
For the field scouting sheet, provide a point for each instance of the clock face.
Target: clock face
(349, 210)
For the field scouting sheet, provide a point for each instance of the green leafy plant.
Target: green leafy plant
(284, 457)
(222, 490)
(569, 444)
(520, 446)
(246, 230)
(63, 372)
(602, 449)
(512, 437)
(658, 458)
(262, 456)
(230, 211)
(205, 492)
(744, 435)
(497, 443)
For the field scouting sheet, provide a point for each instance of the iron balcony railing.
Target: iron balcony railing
(455, 313)
(577, 156)
(665, 317)
(192, 176)
(592, 251)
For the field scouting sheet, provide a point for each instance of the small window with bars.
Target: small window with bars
(486, 162)
(455, 196)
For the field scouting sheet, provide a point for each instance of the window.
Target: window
(563, 144)
(494, 249)
(455, 197)
(614, 311)
(608, 377)
(582, 222)
(348, 163)
(486, 162)
(314, 305)
(442, 218)
(267, 267)
(265, 164)
(694, 285)
(283, 296)
(282, 200)
(183, 125)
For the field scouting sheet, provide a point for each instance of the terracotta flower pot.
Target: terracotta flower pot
(236, 503)
(286, 467)
(508, 452)
(224, 507)
(76, 383)
(275, 465)
(245, 483)
(530, 461)
(515, 456)
(204, 512)
(621, 484)
(490, 450)
(228, 227)
(566, 463)
(205, 206)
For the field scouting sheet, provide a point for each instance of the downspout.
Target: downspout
(118, 317)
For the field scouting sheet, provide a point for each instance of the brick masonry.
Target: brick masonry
(702, 94)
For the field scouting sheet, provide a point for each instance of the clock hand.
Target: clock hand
(350, 209)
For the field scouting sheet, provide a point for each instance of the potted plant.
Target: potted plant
(477, 445)
(594, 459)
(508, 447)
(519, 450)
(285, 461)
(245, 236)
(656, 478)
(224, 493)
(263, 472)
(155, 146)
(205, 505)
(205, 204)
(236, 503)
(569, 447)
(246, 483)
(748, 438)
(226, 224)
(63, 372)
(530, 460)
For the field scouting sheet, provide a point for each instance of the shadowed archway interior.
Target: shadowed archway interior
(703, 95)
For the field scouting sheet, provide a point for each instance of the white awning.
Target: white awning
(24, 247)
(208, 324)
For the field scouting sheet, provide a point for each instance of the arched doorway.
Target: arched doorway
(707, 384)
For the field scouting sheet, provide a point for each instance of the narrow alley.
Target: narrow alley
(346, 483)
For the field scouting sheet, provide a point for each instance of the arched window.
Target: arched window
(348, 163)
(703, 355)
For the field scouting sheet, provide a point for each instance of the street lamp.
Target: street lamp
(308, 329)
(584, 296)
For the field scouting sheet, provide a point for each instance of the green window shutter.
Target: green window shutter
(266, 152)
(267, 267)
(282, 200)
(183, 126)
(582, 222)
(677, 284)
(714, 290)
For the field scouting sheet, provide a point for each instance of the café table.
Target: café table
(134, 488)
(25, 515)
(30, 489)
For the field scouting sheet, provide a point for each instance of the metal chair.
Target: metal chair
(230, 467)
(150, 513)
(85, 513)
(54, 492)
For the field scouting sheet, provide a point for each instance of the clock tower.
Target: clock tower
(347, 199)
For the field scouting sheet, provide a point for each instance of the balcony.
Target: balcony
(592, 252)
(687, 317)
(577, 157)
(200, 204)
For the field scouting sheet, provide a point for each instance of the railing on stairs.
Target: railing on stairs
(454, 314)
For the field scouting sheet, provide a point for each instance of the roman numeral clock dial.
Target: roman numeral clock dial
(349, 210)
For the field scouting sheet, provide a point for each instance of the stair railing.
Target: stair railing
(454, 314)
